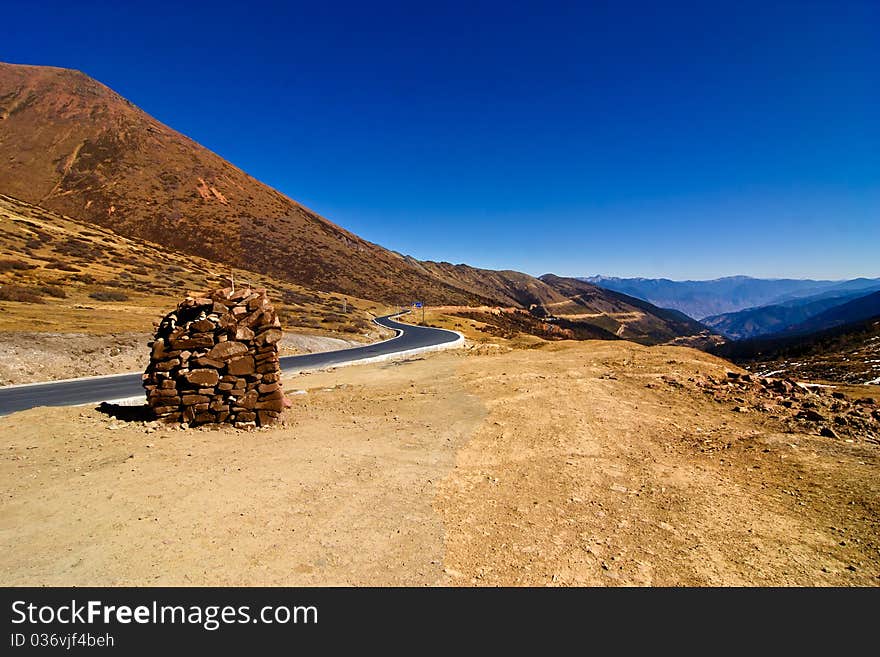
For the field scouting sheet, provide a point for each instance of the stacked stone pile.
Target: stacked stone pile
(215, 359)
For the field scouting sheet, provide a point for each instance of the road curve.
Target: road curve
(120, 386)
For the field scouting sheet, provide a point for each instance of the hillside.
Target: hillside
(849, 353)
(72, 145)
(556, 308)
(623, 315)
(861, 308)
(77, 299)
(510, 288)
(50, 265)
(776, 318)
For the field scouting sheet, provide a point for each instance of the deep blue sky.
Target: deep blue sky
(686, 140)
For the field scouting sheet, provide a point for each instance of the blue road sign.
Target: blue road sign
(418, 304)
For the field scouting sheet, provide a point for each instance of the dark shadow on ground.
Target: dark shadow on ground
(126, 413)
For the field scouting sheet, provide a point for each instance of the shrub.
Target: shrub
(62, 266)
(109, 295)
(53, 291)
(8, 264)
(293, 298)
(83, 278)
(19, 293)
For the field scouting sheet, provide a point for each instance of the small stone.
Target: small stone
(811, 415)
(191, 400)
(267, 417)
(270, 405)
(227, 350)
(202, 326)
(241, 366)
(204, 361)
(203, 377)
(271, 336)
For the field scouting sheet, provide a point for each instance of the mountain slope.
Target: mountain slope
(849, 353)
(859, 309)
(700, 299)
(625, 316)
(58, 275)
(764, 320)
(72, 145)
(512, 288)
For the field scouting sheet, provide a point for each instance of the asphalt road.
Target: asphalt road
(119, 386)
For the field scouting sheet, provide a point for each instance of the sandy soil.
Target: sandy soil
(40, 356)
(549, 466)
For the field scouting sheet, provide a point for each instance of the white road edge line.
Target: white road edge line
(111, 376)
(79, 378)
(134, 401)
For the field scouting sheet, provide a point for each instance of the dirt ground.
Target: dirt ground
(569, 464)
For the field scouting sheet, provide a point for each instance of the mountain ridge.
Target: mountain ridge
(702, 300)
(76, 147)
(775, 318)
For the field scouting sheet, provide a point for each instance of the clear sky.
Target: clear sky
(684, 140)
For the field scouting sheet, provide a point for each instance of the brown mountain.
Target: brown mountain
(70, 144)
(625, 316)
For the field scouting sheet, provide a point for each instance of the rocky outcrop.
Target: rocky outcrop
(215, 359)
(803, 407)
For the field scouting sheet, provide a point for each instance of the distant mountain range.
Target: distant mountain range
(804, 315)
(708, 299)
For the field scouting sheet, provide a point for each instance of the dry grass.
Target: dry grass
(68, 276)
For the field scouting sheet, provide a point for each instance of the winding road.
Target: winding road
(409, 339)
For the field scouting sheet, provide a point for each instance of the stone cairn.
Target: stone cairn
(215, 359)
